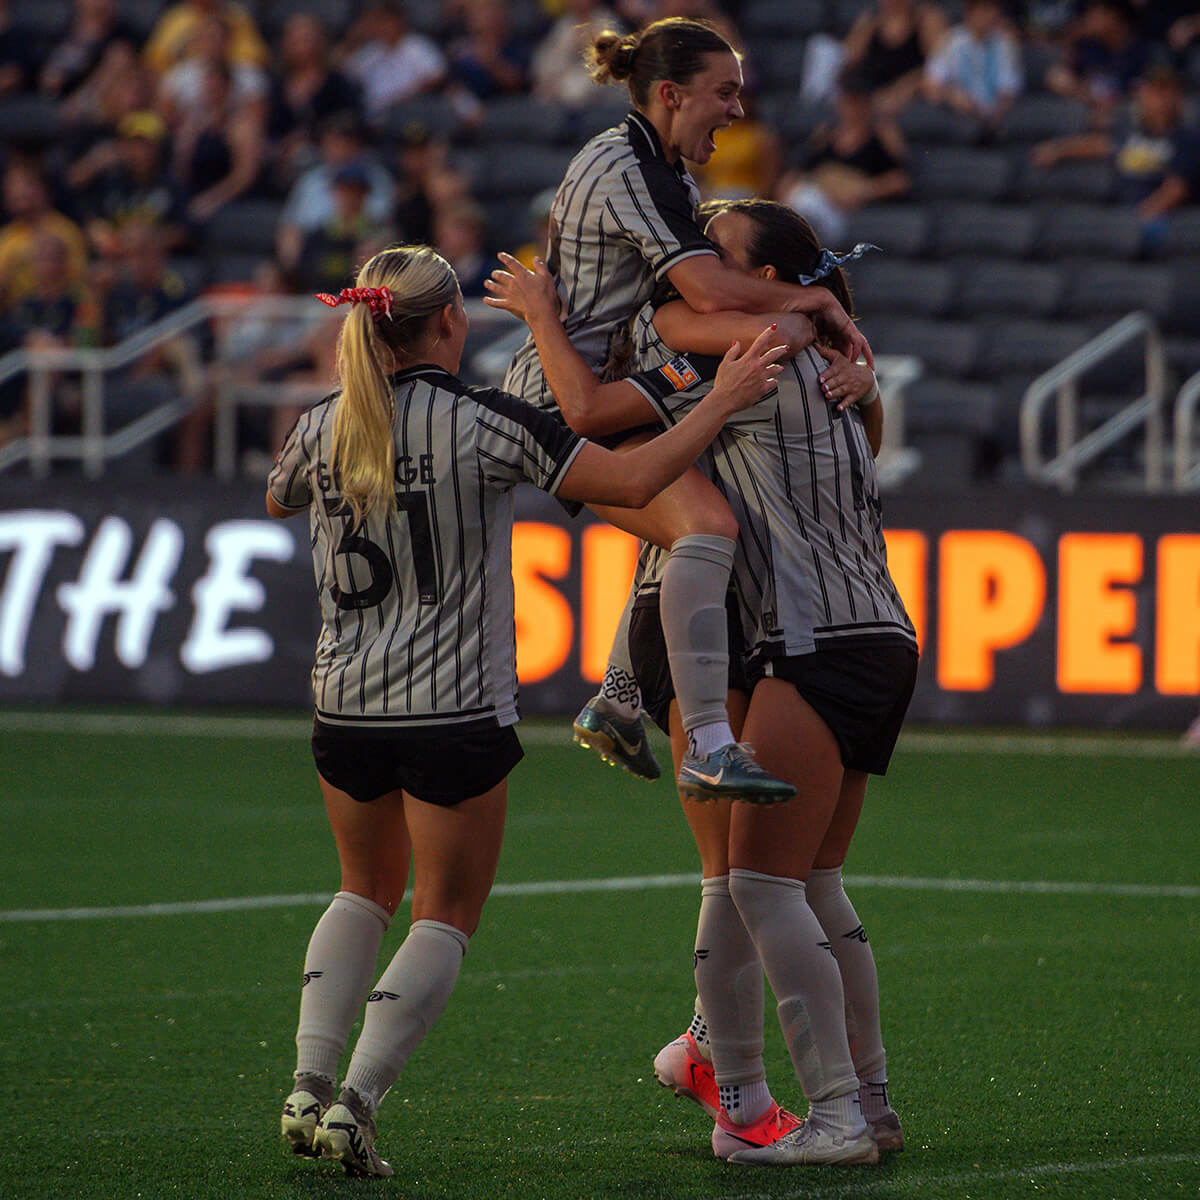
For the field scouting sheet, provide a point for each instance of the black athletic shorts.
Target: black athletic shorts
(860, 689)
(648, 653)
(442, 765)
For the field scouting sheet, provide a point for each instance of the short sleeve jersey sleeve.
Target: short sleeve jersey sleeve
(289, 482)
(515, 442)
(654, 206)
(676, 386)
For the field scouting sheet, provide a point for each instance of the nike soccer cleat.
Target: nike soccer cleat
(731, 774)
(346, 1134)
(887, 1132)
(681, 1067)
(301, 1112)
(728, 1138)
(618, 741)
(808, 1145)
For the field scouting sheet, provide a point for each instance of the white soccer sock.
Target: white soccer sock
(691, 607)
(874, 1099)
(619, 685)
(338, 968)
(730, 985)
(405, 1004)
(744, 1103)
(708, 739)
(856, 963)
(805, 980)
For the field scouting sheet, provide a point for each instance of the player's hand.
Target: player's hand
(844, 335)
(844, 383)
(796, 330)
(744, 379)
(526, 294)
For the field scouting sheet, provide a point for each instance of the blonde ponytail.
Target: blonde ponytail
(364, 454)
(373, 343)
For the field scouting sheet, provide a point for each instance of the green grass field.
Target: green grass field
(1044, 1040)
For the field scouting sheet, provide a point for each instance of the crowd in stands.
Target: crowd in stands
(152, 150)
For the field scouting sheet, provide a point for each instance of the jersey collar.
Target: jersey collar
(646, 142)
(421, 371)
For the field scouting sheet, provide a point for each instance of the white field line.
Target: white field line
(549, 733)
(633, 883)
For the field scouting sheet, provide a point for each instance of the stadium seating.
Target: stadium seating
(1074, 230)
(1001, 285)
(992, 270)
(1007, 231)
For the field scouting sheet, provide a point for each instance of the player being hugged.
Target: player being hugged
(830, 665)
(406, 476)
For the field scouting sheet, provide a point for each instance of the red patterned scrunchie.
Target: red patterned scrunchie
(378, 300)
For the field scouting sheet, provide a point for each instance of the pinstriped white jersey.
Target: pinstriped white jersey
(417, 605)
(622, 217)
(811, 565)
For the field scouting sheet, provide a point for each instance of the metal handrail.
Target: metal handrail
(92, 446)
(1187, 473)
(1062, 381)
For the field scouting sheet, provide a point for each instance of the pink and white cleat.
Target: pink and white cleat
(681, 1067)
(728, 1138)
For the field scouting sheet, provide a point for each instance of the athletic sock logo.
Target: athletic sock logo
(309, 976)
(382, 996)
(859, 935)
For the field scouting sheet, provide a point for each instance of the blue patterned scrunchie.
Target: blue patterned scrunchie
(829, 261)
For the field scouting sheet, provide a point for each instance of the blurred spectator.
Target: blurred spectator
(977, 68)
(859, 159)
(388, 60)
(888, 46)
(428, 181)
(1104, 57)
(558, 71)
(170, 39)
(141, 289)
(1155, 152)
(489, 61)
(18, 55)
(331, 254)
(119, 86)
(138, 289)
(182, 87)
(747, 161)
(58, 309)
(305, 90)
(126, 180)
(31, 217)
(94, 26)
(310, 203)
(459, 234)
(219, 146)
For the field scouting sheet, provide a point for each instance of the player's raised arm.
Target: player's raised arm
(588, 406)
(633, 477)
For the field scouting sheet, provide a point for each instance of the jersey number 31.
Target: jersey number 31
(414, 507)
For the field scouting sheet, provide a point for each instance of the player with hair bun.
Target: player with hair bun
(406, 476)
(623, 223)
